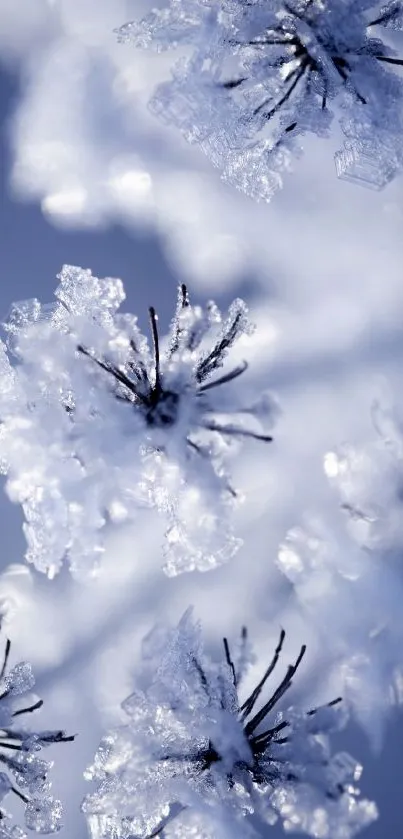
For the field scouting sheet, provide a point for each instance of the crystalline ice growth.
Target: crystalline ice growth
(26, 774)
(260, 75)
(96, 423)
(369, 483)
(192, 746)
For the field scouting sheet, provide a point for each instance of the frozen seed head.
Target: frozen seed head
(97, 423)
(193, 739)
(264, 73)
(158, 389)
(24, 773)
(188, 416)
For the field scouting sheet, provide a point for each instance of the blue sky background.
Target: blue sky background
(321, 268)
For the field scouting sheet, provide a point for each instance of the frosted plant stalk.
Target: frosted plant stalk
(190, 739)
(96, 425)
(23, 772)
(259, 75)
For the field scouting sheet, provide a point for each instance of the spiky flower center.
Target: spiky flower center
(307, 41)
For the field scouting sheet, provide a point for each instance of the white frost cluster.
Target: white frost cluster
(262, 74)
(369, 482)
(23, 772)
(347, 574)
(95, 425)
(190, 742)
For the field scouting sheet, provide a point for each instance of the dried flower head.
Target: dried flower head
(95, 424)
(265, 72)
(24, 773)
(190, 739)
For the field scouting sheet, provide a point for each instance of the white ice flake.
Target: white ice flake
(25, 774)
(96, 424)
(191, 747)
(262, 74)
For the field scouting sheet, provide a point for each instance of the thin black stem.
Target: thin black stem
(228, 377)
(229, 660)
(383, 18)
(249, 704)
(388, 60)
(326, 705)
(282, 688)
(203, 677)
(210, 363)
(183, 303)
(298, 73)
(20, 795)
(234, 431)
(154, 332)
(232, 83)
(342, 73)
(6, 657)
(206, 456)
(140, 369)
(260, 741)
(13, 746)
(58, 737)
(29, 710)
(325, 92)
(116, 373)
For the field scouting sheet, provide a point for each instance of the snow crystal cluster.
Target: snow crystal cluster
(369, 481)
(96, 425)
(23, 772)
(347, 574)
(257, 76)
(192, 748)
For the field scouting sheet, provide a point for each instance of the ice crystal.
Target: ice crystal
(95, 425)
(8, 831)
(25, 774)
(263, 73)
(190, 740)
(369, 481)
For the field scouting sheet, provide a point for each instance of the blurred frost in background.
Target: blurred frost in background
(320, 269)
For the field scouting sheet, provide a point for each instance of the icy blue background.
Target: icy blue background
(32, 252)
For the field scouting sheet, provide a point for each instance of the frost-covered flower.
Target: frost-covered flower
(96, 425)
(23, 772)
(192, 738)
(263, 73)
